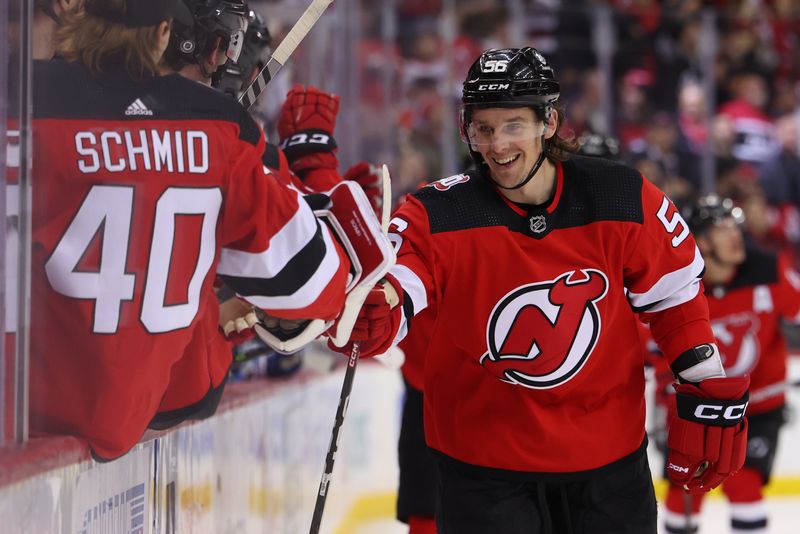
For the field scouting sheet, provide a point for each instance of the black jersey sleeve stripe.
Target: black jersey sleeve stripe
(290, 279)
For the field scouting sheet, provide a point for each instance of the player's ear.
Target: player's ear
(163, 31)
(215, 55)
(552, 124)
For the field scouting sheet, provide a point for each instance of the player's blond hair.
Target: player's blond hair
(99, 44)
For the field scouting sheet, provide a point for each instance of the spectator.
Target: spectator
(780, 173)
(753, 129)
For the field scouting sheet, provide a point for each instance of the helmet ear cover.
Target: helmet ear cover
(216, 23)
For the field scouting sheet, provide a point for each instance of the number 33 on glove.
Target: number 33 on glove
(708, 438)
(305, 127)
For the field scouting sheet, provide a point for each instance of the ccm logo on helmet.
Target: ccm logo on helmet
(493, 86)
(710, 411)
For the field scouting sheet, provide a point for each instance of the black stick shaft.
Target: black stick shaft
(341, 411)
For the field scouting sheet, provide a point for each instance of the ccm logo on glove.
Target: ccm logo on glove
(710, 411)
(715, 412)
(678, 468)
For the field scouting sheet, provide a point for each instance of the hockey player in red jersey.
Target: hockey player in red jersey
(146, 188)
(533, 380)
(306, 124)
(416, 495)
(752, 295)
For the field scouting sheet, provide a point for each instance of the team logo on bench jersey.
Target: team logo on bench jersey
(540, 335)
(737, 340)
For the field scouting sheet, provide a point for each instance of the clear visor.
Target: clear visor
(488, 124)
(238, 27)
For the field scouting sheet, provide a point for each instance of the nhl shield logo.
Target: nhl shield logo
(538, 224)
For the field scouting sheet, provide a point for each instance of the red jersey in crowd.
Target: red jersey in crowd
(534, 363)
(745, 316)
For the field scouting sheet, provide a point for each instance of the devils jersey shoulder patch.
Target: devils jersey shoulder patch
(461, 202)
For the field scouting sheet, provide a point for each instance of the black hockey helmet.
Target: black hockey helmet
(515, 76)
(598, 145)
(223, 19)
(508, 78)
(710, 210)
(234, 76)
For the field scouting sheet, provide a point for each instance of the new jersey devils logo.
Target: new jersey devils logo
(541, 334)
(738, 342)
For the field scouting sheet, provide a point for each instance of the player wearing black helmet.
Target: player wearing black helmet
(533, 375)
(753, 297)
(216, 36)
(709, 211)
(185, 174)
(509, 81)
(234, 76)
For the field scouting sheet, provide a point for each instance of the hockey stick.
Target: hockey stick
(687, 511)
(772, 391)
(283, 51)
(349, 375)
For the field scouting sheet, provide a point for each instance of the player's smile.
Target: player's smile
(508, 140)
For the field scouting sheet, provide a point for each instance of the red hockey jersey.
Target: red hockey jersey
(534, 362)
(144, 191)
(745, 316)
(414, 347)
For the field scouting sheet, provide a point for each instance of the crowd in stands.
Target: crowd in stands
(676, 121)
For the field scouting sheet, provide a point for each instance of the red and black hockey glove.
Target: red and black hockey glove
(305, 126)
(369, 177)
(707, 439)
(378, 320)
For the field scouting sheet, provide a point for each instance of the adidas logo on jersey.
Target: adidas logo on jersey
(137, 107)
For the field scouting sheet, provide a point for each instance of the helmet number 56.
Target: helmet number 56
(495, 65)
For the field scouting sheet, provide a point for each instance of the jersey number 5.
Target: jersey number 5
(673, 222)
(109, 211)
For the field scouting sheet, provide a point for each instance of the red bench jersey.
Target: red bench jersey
(534, 362)
(144, 192)
(745, 317)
